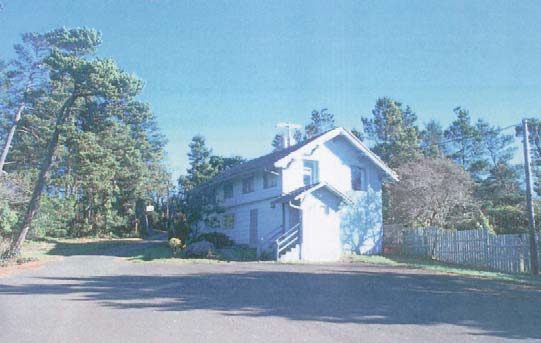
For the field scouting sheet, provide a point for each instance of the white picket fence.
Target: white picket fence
(477, 248)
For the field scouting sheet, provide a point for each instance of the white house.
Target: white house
(311, 201)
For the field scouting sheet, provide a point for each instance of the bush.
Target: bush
(8, 219)
(176, 245)
(219, 239)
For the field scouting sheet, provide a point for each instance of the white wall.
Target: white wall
(361, 223)
(321, 227)
(336, 157)
(268, 219)
(240, 198)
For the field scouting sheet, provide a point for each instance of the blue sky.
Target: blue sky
(231, 70)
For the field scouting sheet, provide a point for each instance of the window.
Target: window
(229, 221)
(213, 222)
(228, 190)
(248, 185)
(270, 180)
(358, 179)
(310, 172)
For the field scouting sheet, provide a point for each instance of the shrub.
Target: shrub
(219, 239)
(176, 245)
(8, 219)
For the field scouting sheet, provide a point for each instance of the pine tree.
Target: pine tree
(75, 80)
(465, 147)
(393, 131)
(27, 74)
(432, 140)
(200, 169)
(320, 122)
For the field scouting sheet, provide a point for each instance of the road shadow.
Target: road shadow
(334, 295)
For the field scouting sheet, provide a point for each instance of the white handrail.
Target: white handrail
(287, 239)
(268, 239)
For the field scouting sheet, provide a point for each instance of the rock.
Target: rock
(201, 248)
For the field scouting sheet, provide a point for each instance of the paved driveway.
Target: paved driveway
(107, 299)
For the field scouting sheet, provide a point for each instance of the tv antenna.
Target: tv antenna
(290, 127)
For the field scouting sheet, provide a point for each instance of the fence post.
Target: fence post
(487, 251)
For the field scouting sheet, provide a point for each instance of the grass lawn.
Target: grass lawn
(43, 250)
(412, 262)
(51, 248)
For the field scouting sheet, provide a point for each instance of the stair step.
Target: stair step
(291, 255)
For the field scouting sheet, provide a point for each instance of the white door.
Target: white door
(321, 233)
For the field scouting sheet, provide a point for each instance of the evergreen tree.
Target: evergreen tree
(220, 163)
(393, 131)
(465, 147)
(320, 121)
(502, 199)
(278, 142)
(75, 80)
(27, 75)
(200, 169)
(432, 140)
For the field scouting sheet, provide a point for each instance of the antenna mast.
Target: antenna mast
(289, 127)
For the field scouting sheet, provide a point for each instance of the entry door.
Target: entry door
(253, 228)
(321, 233)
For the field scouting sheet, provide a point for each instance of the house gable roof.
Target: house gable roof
(301, 192)
(357, 143)
(281, 158)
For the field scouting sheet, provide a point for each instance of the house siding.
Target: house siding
(335, 157)
(268, 219)
(329, 228)
(321, 227)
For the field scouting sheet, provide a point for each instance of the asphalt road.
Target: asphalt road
(107, 299)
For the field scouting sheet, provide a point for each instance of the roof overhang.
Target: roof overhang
(300, 194)
(298, 154)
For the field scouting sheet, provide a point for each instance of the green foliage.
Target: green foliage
(8, 219)
(200, 168)
(95, 181)
(432, 140)
(320, 122)
(220, 240)
(392, 130)
(195, 205)
(176, 245)
(54, 218)
(483, 150)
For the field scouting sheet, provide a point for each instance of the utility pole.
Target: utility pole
(531, 219)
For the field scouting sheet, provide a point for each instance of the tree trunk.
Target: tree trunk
(10, 135)
(15, 248)
(16, 119)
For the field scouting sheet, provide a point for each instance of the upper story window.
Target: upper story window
(248, 184)
(228, 190)
(270, 180)
(310, 172)
(358, 179)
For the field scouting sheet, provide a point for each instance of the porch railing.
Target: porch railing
(288, 240)
(268, 241)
